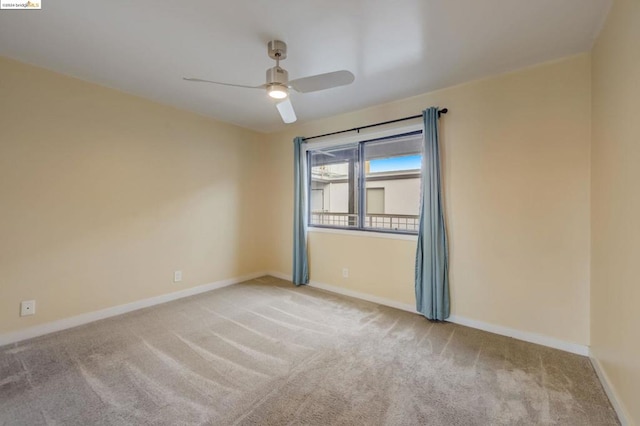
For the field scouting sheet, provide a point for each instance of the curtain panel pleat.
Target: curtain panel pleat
(300, 262)
(432, 263)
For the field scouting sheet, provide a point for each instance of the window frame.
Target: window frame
(360, 139)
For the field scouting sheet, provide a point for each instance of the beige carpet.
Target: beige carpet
(264, 352)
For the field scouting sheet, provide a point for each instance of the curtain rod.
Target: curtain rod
(357, 129)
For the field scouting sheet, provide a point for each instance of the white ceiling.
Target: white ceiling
(395, 49)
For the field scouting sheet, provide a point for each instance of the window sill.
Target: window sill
(358, 233)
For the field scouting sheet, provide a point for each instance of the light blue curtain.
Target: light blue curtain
(300, 263)
(432, 263)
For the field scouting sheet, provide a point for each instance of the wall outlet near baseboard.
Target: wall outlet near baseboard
(27, 307)
(177, 276)
(345, 272)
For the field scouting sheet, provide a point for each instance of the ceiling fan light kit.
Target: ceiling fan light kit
(278, 92)
(278, 83)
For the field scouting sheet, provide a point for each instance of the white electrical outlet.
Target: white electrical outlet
(27, 307)
(345, 272)
(177, 276)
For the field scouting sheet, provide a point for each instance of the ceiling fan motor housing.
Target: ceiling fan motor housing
(277, 76)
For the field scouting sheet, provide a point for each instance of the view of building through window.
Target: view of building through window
(367, 185)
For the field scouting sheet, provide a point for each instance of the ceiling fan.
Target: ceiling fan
(278, 83)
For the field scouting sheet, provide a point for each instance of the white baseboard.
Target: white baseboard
(527, 336)
(621, 411)
(364, 296)
(282, 276)
(492, 328)
(88, 317)
(350, 293)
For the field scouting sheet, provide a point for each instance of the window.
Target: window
(371, 185)
(317, 200)
(375, 201)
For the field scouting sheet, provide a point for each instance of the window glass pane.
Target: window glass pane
(334, 188)
(392, 182)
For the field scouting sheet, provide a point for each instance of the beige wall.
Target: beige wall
(103, 195)
(615, 208)
(516, 172)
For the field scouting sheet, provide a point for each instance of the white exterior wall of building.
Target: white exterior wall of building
(338, 198)
(401, 196)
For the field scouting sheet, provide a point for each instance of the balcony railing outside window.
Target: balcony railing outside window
(389, 222)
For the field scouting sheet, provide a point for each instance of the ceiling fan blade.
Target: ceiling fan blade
(199, 80)
(322, 81)
(285, 108)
